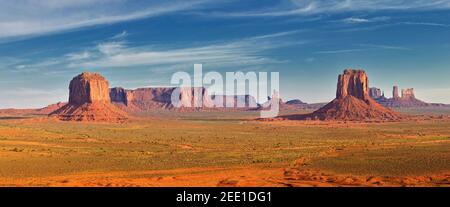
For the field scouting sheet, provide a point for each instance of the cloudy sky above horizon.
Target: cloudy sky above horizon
(43, 44)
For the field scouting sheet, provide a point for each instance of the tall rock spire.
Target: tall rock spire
(395, 94)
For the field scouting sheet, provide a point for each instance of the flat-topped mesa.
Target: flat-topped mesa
(88, 88)
(145, 99)
(190, 99)
(353, 83)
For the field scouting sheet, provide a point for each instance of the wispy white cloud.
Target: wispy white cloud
(9, 62)
(25, 67)
(386, 47)
(433, 24)
(30, 17)
(278, 34)
(359, 20)
(355, 20)
(23, 18)
(338, 51)
(118, 53)
(111, 48)
(394, 24)
(246, 51)
(364, 47)
(79, 56)
(311, 7)
(121, 35)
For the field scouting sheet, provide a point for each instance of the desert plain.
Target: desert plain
(167, 148)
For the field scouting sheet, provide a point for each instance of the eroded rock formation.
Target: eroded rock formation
(408, 93)
(406, 100)
(141, 99)
(353, 83)
(147, 99)
(89, 100)
(353, 101)
(375, 93)
(88, 88)
(395, 92)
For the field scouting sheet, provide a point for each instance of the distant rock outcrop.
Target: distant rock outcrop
(11, 112)
(375, 93)
(406, 100)
(248, 101)
(51, 108)
(89, 100)
(148, 99)
(289, 106)
(295, 102)
(408, 93)
(395, 93)
(141, 99)
(353, 102)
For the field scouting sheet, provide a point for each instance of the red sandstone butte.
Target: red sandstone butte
(89, 100)
(353, 102)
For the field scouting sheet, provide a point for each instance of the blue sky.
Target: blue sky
(43, 44)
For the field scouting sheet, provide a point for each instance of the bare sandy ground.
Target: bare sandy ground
(35, 147)
(254, 176)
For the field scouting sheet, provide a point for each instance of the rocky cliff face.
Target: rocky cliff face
(118, 94)
(142, 99)
(146, 99)
(353, 83)
(89, 100)
(88, 88)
